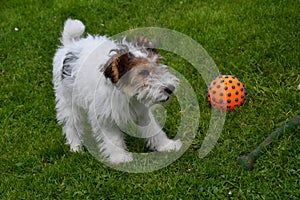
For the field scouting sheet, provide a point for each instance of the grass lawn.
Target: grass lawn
(256, 40)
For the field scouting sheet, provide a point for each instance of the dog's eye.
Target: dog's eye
(144, 73)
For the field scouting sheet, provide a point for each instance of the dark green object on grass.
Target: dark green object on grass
(247, 162)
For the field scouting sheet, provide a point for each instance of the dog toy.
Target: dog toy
(226, 92)
(246, 162)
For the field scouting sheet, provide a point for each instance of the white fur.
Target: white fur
(83, 94)
(73, 29)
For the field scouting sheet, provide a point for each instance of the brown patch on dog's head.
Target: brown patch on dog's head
(138, 62)
(121, 63)
(138, 76)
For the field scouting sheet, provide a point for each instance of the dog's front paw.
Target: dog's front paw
(170, 145)
(120, 157)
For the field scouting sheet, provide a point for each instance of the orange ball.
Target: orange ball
(226, 92)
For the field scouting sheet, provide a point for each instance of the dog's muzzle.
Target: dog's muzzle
(168, 91)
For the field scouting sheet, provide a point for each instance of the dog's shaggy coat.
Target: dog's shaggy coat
(110, 84)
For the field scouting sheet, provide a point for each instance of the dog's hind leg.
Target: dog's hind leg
(70, 118)
(73, 130)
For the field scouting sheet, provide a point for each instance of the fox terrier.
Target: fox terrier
(108, 84)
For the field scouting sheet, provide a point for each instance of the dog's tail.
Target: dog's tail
(73, 29)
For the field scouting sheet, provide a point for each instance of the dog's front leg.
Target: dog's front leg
(157, 138)
(113, 146)
(110, 141)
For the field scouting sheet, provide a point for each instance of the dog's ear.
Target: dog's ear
(118, 65)
(149, 47)
(146, 43)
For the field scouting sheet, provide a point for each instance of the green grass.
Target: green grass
(256, 40)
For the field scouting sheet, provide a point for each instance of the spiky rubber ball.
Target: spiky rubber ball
(226, 92)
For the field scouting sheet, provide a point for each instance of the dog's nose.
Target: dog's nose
(170, 89)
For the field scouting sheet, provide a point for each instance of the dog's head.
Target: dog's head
(136, 69)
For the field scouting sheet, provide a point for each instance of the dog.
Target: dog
(109, 84)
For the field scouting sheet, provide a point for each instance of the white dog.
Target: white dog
(110, 84)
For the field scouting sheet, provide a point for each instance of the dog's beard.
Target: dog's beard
(150, 97)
